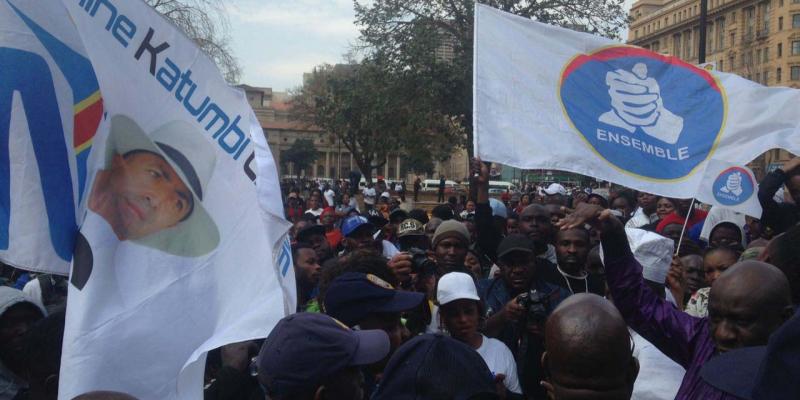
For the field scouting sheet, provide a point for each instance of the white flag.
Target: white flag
(50, 109)
(730, 186)
(182, 245)
(549, 97)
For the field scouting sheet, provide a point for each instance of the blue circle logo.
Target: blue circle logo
(733, 186)
(646, 114)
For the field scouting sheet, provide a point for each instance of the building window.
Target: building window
(749, 23)
(795, 47)
(766, 55)
(765, 78)
(765, 18)
(320, 171)
(636, 33)
(676, 45)
(796, 21)
(758, 56)
(778, 75)
(720, 66)
(780, 23)
(733, 39)
(720, 34)
(780, 50)
(795, 72)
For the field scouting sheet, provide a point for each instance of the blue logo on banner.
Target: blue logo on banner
(733, 186)
(650, 115)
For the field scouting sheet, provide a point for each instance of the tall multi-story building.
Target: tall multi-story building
(756, 39)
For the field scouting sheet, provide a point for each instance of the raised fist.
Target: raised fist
(636, 102)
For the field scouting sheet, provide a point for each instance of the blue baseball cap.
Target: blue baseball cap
(352, 296)
(351, 224)
(760, 372)
(432, 367)
(305, 348)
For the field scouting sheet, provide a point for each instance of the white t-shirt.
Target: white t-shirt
(329, 197)
(369, 195)
(500, 361)
(659, 377)
(315, 212)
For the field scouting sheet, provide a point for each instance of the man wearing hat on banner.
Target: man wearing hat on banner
(151, 189)
(150, 192)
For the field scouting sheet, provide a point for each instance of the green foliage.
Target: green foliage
(432, 40)
(302, 154)
(376, 111)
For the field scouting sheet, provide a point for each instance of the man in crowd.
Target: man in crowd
(572, 252)
(780, 216)
(370, 195)
(315, 236)
(310, 356)
(306, 273)
(17, 315)
(589, 353)
(450, 244)
(747, 303)
(645, 213)
(442, 184)
(517, 304)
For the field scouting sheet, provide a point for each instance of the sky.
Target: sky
(276, 41)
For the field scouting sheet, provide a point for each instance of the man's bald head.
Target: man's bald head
(588, 349)
(747, 303)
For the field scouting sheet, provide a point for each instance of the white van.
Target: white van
(500, 187)
(432, 185)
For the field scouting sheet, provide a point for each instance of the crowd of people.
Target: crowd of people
(550, 292)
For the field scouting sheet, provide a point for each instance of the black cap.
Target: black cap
(305, 348)
(397, 216)
(305, 234)
(515, 242)
(419, 215)
(354, 295)
(435, 367)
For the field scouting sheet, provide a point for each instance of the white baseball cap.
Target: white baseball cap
(555, 188)
(456, 286)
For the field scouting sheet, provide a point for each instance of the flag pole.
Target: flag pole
(685, 222)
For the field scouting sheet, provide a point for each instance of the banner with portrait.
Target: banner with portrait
(553, 98)
(182, 242)
(50, 111)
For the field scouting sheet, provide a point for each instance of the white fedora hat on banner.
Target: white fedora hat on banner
(192, 157)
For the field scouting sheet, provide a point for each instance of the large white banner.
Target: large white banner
(50, 109)
(182, 244)
(549, 97)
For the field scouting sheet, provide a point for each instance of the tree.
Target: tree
(206, 23)
(376, 111)
(302, 154)
(433, 39)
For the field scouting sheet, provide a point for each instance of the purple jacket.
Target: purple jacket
(681, 337)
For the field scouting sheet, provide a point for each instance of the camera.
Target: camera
(420, 263)
(535, 305)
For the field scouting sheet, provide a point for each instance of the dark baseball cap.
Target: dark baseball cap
(305, 234)
(351, 224)
(432, 367)
(397, 215)
(305, 348)
(354, 295)
(515, 242)
(760, 372)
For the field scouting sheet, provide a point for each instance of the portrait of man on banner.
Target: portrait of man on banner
(150, 191)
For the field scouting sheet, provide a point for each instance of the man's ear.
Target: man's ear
(787, 313)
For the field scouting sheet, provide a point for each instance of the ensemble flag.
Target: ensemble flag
(50, 110)
(182, 244)
(552, 98)
(730, 186)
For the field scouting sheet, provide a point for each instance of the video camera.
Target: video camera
(536, 305)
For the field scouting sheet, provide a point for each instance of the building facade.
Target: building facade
(274, 113)
(756, 39)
